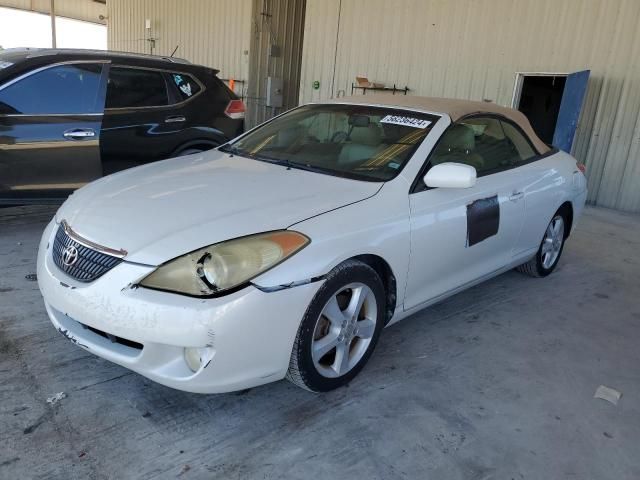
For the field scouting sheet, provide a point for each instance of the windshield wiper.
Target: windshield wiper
(232, 149)
(276, 161)
(283, 162)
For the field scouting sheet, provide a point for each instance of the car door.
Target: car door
(50, 123)
(461, 235)
(139, 124)
(540, 184)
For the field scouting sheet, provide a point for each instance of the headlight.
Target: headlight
(224, 266)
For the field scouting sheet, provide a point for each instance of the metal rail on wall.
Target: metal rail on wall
(393, 89)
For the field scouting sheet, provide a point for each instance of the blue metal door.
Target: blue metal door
(570, 106)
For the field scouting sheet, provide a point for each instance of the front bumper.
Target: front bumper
(245, 336)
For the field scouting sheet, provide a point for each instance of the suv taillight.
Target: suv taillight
(235, 109)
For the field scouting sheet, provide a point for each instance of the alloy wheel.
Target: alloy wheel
(552, 242)
(344, 330)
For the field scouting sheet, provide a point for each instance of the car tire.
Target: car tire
(548, 254)
(340, 328)
(189, 151)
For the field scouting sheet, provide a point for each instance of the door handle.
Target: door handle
(515, 196)
(175, 119)
(79, 133)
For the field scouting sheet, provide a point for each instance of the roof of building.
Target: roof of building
(456, 109)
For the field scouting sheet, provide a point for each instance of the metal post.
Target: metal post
(53, 24)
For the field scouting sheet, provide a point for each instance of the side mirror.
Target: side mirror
(451, 175)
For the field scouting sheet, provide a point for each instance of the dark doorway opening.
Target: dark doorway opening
(540, 99)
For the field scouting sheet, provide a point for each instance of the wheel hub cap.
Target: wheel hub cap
(349, 330)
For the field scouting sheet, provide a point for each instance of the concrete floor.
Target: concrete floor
(496, 382)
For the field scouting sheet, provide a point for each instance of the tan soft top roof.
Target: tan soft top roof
(456, 109)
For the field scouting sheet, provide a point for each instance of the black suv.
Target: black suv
(70, 116)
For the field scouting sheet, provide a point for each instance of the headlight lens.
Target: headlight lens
(223, 266)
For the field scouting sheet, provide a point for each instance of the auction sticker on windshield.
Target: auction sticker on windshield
(406, 121)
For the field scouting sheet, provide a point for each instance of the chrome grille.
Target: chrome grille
(89, 265)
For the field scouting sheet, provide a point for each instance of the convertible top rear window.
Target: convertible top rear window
(354, 141)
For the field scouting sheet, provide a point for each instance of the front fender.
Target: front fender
(378, 226)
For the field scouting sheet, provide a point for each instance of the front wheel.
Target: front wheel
(548, 254)
(340, 328)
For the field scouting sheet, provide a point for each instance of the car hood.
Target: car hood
(162, 210)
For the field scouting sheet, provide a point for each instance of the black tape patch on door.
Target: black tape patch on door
(483, 219)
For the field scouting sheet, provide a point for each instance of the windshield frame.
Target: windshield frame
(433, 117)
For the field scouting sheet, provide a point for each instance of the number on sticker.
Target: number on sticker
(406, 121)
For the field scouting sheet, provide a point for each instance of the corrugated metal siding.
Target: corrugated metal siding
(213, 33)
(320, 35)
(279, 23)
(473, 49)
(86, 10)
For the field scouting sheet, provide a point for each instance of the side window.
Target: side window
(65, 89)
(522, 149)
(135, 87)
(479, 142)
(486, 143)
(187, 87)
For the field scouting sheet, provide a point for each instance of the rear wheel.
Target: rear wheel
(548, 255)
(340, 328)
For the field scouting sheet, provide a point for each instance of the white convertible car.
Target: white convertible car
(285, 252)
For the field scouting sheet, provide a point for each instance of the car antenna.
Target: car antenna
(174, 51)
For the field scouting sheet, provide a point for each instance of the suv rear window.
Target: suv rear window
(187, 87)
(135, 88)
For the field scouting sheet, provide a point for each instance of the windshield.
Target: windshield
(354, 141)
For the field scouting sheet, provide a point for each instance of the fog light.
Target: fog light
(193, 358)
(197, 357)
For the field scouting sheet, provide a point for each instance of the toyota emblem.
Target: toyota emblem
(70, 256)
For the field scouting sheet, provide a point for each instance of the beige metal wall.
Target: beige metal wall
(473, 49)
(215, 33)
(86, 10)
